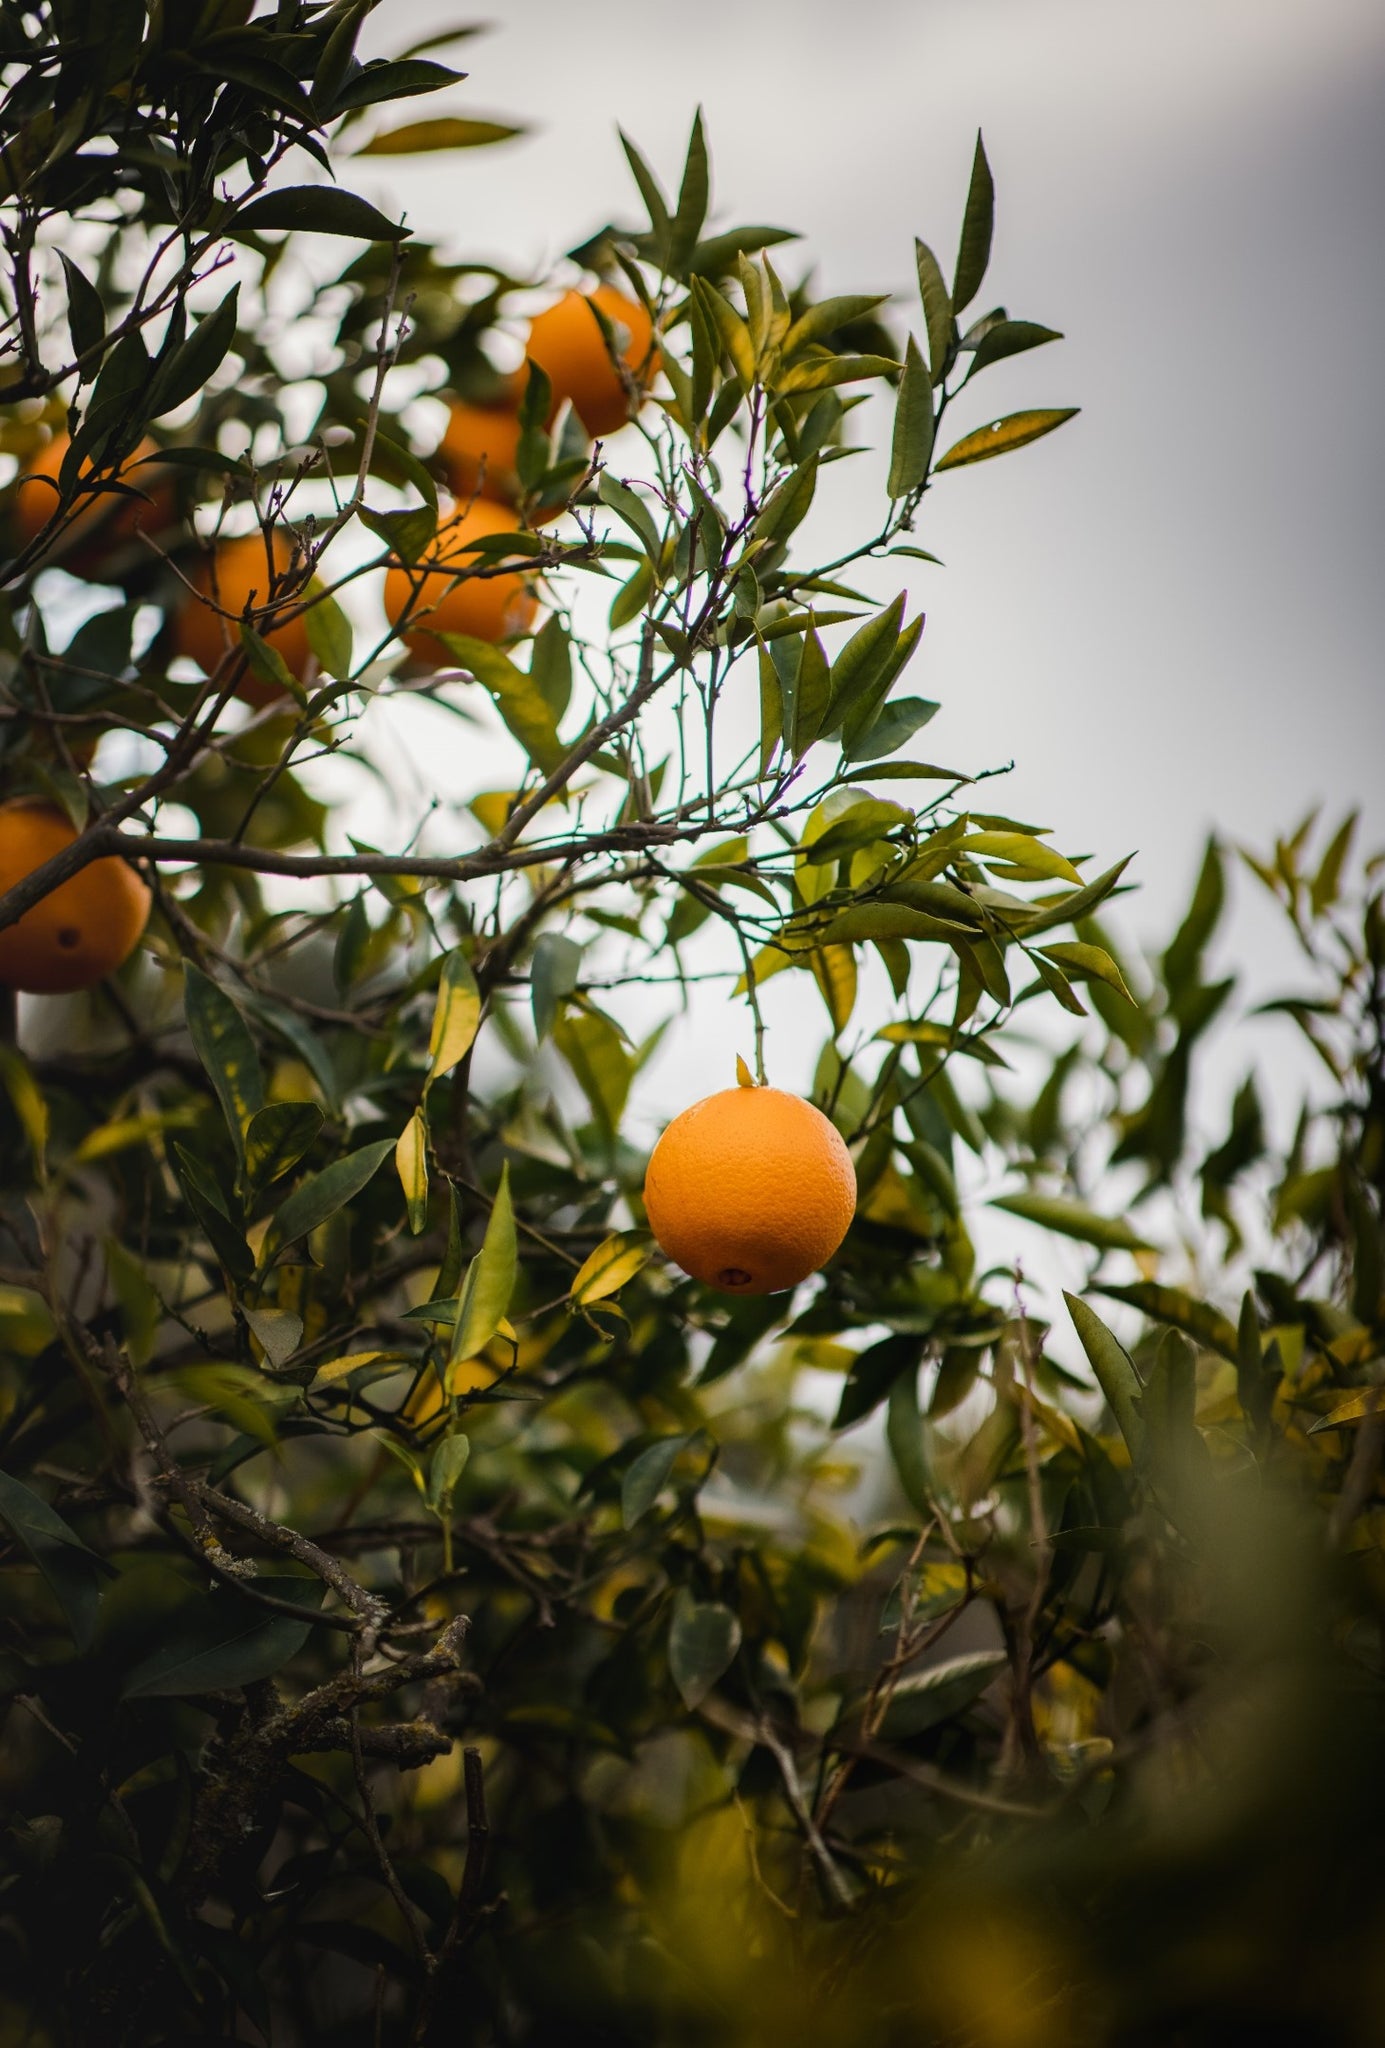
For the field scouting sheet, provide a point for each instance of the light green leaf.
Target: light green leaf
(490, 1280)
(1074, 1219)
(1089, 963)
(445, 1469)
(552, 976)
(1115, 1372)
(329, 633)
(517, 697)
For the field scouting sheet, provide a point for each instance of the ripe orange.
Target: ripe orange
(568, 344)
(479, 449)
(486, 608)
(750, 1190)
(237, 573)
(82, 930)
(100, 521)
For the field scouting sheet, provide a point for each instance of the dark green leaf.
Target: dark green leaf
(72, 1571)
(317, 210)
(1074, 1219)
(703, 1638)
(190, 368)
(974, 250)
(912, 444)
(552, 976)
(86, 316)
(276, 1138)
(693, 194)
(647, 1475)
(221, 1039)
(416, 138)
(322, 1194)
(1114, 1370)
(224, 1640)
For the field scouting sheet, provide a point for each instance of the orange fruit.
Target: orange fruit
(82, 930)
(235, 574)
(99, 522)
(479, 451)
(750, 1190)
(569, 345)
(486, 608)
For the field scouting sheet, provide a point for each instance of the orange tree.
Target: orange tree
(428, 1614)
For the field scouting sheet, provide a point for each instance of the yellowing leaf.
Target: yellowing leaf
(1014, 431)
(456, 1016)
(411, 1163)
(614, 1261)
(744, 1077)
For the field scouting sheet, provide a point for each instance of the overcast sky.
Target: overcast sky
(1170, 613)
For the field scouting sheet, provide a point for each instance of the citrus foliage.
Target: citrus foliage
(427, 1614)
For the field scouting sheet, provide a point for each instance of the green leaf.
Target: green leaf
(71, 1570)
(893, 921)
(904, 1432)
(1016, 430)
(873, 1376)
(445, 1469)
(317, 210)
(329, 633)
(86, 314)
(693, 195)
(788, 504)
(650, 191)
(225, 1239)
(1114, 1370)
(552, 975)
(392, 79)
(269, 665)
(732, 331)
(192, 365)
(322, 1194)
(276, 1138)
(1326, 884)
(550, 666)
(892, 727)
(29, 1104)
(812, 692)
(490, 1280)
(826, 318)
(1023, 850)
(223, 1641)
(870, 819)
(411, 1164)
(602, 1067)
(937, 308)
(632, 509)
(456, 1016)
(974, 250)
(1089, 963)
(912, 443)
(771, 708)
(1074, 1219)
(1197, 1319)
(605, 1271)
(647, 1475)
(221, 1039)
(1008, 338)
(1081, 903)
(703, 1639)
(862, 661)
(446, 132)
(517, 697)
(940, 1693)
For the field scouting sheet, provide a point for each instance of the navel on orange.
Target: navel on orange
(489, 607)
(750, 1190)
(568, 345)
(82, 930)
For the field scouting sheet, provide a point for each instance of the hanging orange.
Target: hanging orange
(750, 1190)
(567, 343)
(479, 451)
(102, 520)
(484, 607)
(238, 572)
(82, 930)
